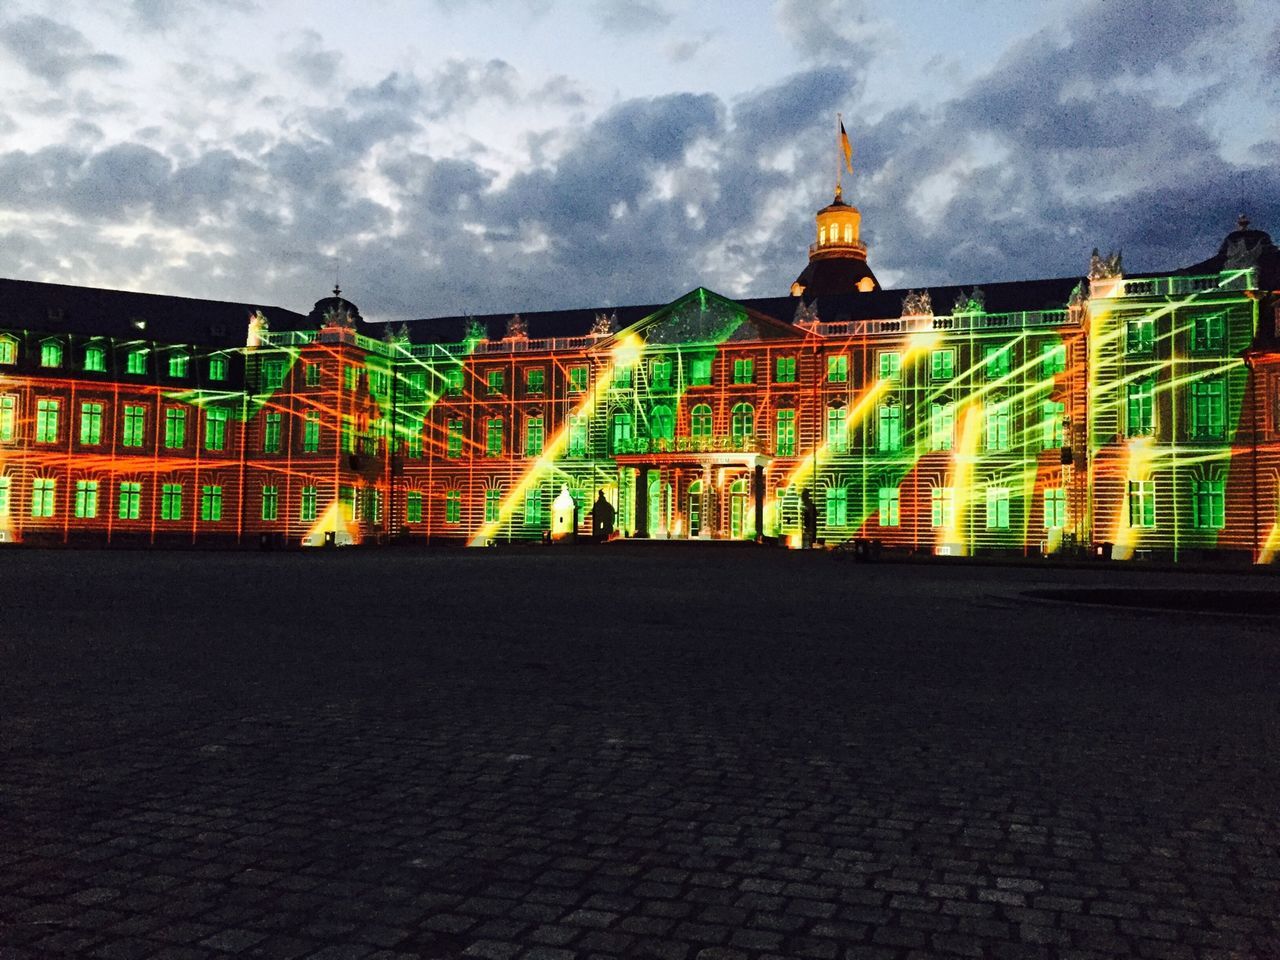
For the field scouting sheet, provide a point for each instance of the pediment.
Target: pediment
(705, 317)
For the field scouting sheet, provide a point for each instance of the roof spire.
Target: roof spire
(1242, 222)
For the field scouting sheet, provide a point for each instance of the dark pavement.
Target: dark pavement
(558, 754)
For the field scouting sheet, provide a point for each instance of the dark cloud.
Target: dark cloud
(167, 14)
(827, 30)
(311, 61)
(51, 50)
(626, 17)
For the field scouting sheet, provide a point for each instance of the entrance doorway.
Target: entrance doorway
(739, 509)
(694, 512)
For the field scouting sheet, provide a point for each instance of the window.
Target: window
(311, 432)
(621, 377)
(662, 423)
(784, 370)
(135, 425)
(413, 443)
(1142, 503)
(215, 428)
(1053, 359)
(997, 426)
(742, 422)
(8, 350)
(95, 359)
(130, 503)
(453, 506)
(1140, 337)
(379, 382)
(51, 354)
(371, 500)
(496, 381)
(997, 508)
(47, 421)
(453, 385)
(535, 379)
(493, 437)
(533, 506)
(5, 485)
(1209, 333)
(217, 368)
(890, 362)
(942, 506)
(273, 374)
(86, 499)
(178, 363)
(307, 506)
(43, 491)
(700, 421)
(175, 428)
(942, 364)
(1208, 409)
(577, 435)
(171, 501)
(8, 417)
(350, 376)
(889, 435)
(837, 430)
(700, 371)
(270, 502)
(889, 506)
(1052, 426)
(996, 361)
(1140, 406)
(744, 370)
(533, 436)
(90, 423)
(271, 433)
(1209, 504)
(838, 368)
(660, 373)
(211, 503)
(135, 362)
(784, 433)
(453, 438)
(348, 502)
(492, 505)
(1055, 508)
(837, 506)
(622, 431)
(346, 435)
(942, 426)
(578, 379)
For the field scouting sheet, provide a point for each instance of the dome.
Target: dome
(336, 308)
(1242, 234)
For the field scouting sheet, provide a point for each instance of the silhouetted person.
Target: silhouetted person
(808, 520)
(602, 517)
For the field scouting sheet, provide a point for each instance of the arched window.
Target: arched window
(742, 423)
(50, 353)
(622, 431)
(8, 349)
(700, 421)
(662, 425)
(848, 233)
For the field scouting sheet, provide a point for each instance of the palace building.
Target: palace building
(1132, 414)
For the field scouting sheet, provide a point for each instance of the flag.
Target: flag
(846, 148)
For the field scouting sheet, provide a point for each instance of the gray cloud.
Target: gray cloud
(310, 60)
(625, 17)
(827, 30)
(51, 50)
(167, 14)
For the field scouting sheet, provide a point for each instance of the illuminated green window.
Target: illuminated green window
(784, 370)
(942, 426)
(496, 381)
(8, 417)
(1140, 408)
(43, 493)
(311, 373)
(890, 362)
(533, 437)
(1209, 333)
(271, 433)
(577, 435)
(46, 421)
(135, 362)
(272, 374)
(996, 361)
(90, 423)
(837, 506)
(453, 385)
(942, 364)
(453, 438)
(346, 435)
(1055, 508)
(311, 432)
(493, 437)
(623, 432)
(171, 501)
(700, 371)
(1053, 359)
(492, 504)
(86, 499)
(413, 442)
(1209, 504)
(453, 506)
(996, 422)
(379, 382)
(837, 430)
(700, 422)
(6, 485)
(350, 376)
(889, 434)
(95, 359)
(742, 422)
(307, 504)
(270, 503)
(997, 508)
(1142, 503)
(413, 507)
(135, 425)
(211, 502)
(1140, 337)
(8, 350)
(175, 428)
(888, 504)
(1208, 409)
(784, 433)
(129, 506)
(372, 501)
(942, 506)
(1051, 426)
(662, 423)
(348, 502)
(215, 428)
(660, 373)
(178, 364)
(217, 368)
(578, 379)
(533, 506)
(622, 377)
(838, 368)
(51, 354)
(744, 370)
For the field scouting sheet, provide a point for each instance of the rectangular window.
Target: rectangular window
(453, 506)
(700, 371)
(453, 438)
(889, 435)
(997, 427)
(784, 433)
(1140, 407)
(379, 382)
(492, 504)
(837, 506)
(1052, 428)
(942, 506)
(46, 421)
(273, 374)
(6, 485)
(744, 370)
(621, 377)
(493, 437)
(1055, 508)
(51, 354)
(453, 385)
(495, 381)
(130, 503)
(215, 428)
(311, 373)
(1209, 333)
(178, 363)
(43, 494)
(996, 361)
(90, 423)
(838, 368)
(578, 379)
(350, 376)
(347, 435)
(889, 506)
(837, 430)
(577, 435)
(8, 350)
(171, 501)
(311, 432)
(660, 373)
(175, 428)
(535, 380)
(135, 362)
(942, 364)
(533, 437)
(95, 359)
(135, 426)
(1209, 504)
(413, 443)
(270, 503)
(217, 368)
(890, 363)
(211, 503)
(1053, 359)
(942, 426)
(997, 508)
(1142, 503)
(8, 417)
(86, 499)
(1140, 337)
(1208, 409)
(784, 370)
(413, 507)
(348, 501)
(533, 506)
(307, 506)
(271, 433)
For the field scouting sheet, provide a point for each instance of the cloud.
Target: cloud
(310, 60)
(51, 50)
(828, 30)
(627, 17)
(166, 14)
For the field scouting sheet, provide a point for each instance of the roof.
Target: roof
(827, 275)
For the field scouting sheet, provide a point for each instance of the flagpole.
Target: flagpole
(839, 153)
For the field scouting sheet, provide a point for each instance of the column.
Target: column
(642, 502)
(757, 491)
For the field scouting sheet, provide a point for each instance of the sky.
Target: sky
(442, 157)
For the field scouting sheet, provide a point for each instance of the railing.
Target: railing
(525, 345)
(721, 444)
(835, 245)
(1177, 286)
(952, 322)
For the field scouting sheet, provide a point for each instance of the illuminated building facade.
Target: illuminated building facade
(1140, 412)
